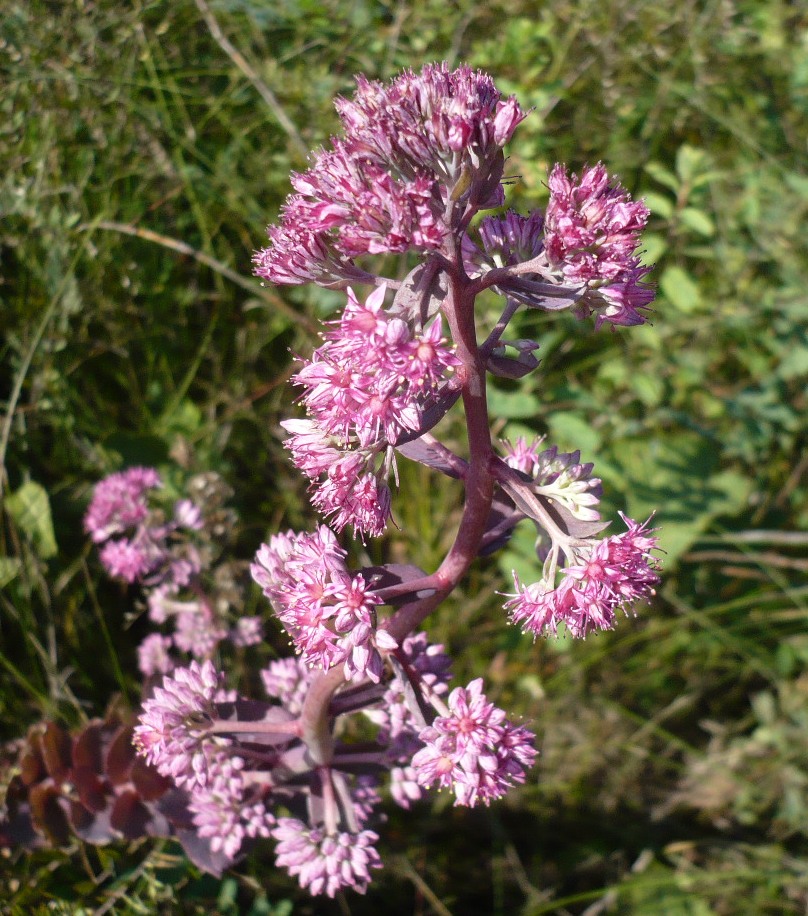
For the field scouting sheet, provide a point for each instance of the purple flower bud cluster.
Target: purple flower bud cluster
(365, 387)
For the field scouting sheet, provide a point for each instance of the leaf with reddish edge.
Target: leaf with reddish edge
(32, 766)
(382, 577)
(48, 814)
(88, 748)
(150, 784)
(92, 828)
(56, 751)
(92, 792)
(130, 816)
(121, 756)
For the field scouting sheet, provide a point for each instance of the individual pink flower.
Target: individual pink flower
(325, 863)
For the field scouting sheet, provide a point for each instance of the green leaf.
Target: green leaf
(571, 431)
(30, 508)
(662, 175)
(680, 289)
(9, 569)
(659, 204)
(697, 221)
(512, 405)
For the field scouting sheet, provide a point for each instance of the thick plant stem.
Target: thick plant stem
(479, 482)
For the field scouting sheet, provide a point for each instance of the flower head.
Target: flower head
(119, 502)
(473, 750)
(326, 863)
(611, 574)
(173, 730)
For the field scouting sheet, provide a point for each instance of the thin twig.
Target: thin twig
(183, 248)
(258, 84)
(404, 866)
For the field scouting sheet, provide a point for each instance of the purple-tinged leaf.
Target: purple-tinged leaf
(421, 294)
(150, 784)
(382, 577)
(92, 792)
(56, 751)
(32, 766)
(512, 367)
(17, 829)
(88, 748)
(434, 455)
(198, 850)
(120, 756)
(431, 415)
(47, 813)
(174, 806)
(540, 507)
(130, 816)
(90, 827)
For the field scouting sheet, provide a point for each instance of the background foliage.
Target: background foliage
(140, 166)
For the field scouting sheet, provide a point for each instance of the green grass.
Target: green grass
(141, 166)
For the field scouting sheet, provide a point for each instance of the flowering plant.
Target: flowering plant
(421, 158)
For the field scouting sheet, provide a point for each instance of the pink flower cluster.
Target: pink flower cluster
(592, 231)
(165, 558)
(385, 188)
(173, 733)
(325, 863)
(473, 749)
(365, 387)
(330, 615)
(610, 574)
(227, 810)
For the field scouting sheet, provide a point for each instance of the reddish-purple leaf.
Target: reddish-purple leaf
(48, 814)
(129, 815)
(120, 756)
(57, 751)
(88, 749)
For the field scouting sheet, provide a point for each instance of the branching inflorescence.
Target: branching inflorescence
(421, 157)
